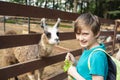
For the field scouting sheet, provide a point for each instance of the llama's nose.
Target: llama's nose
(57, 39)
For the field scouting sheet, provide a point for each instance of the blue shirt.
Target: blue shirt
(98, 63)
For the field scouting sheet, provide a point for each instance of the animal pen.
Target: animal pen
(8, 41)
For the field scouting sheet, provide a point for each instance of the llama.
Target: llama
(8, 57)
(118, 53)
(43, 49)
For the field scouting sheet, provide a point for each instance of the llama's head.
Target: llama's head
(51, 33)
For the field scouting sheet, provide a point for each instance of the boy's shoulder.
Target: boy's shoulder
(96, 53)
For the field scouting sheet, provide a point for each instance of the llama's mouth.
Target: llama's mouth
(54, 42)
(58, 43)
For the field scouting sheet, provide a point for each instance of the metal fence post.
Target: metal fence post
(4, 20)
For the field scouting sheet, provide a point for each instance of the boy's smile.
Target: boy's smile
(86, 38)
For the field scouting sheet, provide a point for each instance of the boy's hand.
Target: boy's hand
(70, 58)
(69, 61)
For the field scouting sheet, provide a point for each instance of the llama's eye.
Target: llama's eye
(48, 34)
(57, 33)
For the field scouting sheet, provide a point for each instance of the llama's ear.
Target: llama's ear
(57, 23)
(43, 24)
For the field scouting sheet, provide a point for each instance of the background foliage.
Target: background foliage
(103, 8)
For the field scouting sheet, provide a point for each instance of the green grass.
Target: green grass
(64, 26)
(11, 21)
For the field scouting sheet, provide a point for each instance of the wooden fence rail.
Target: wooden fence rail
(7, 41)
(13, 9)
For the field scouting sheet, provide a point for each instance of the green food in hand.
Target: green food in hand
(67, 65)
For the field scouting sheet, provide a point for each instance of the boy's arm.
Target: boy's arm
(96, 77)
(73, 72)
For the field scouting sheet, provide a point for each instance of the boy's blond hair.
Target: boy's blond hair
(87, 20)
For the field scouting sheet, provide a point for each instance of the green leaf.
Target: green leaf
(67, 64)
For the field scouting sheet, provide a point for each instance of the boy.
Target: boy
(87, 30)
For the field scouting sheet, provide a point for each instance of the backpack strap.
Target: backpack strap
(99, 49)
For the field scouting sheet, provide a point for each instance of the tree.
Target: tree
(75, 6)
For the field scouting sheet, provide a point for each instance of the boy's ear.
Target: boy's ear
(98, 34)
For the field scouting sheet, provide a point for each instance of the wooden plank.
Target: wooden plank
(21, 68)
(67, 36)
(8, 41)
(108, 43)
(106, 21)
(12, 9)
(60, 76)
(117, 41)
(107, 33)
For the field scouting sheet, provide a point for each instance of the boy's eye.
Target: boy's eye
(82, 34)
(78, 33)
(85, 33)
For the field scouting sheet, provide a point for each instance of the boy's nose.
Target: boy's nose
(79, 38)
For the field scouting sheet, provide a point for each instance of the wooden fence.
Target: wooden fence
(7, 41)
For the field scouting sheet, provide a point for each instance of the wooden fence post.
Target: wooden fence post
(117, 23)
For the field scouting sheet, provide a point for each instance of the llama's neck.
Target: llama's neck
(45, 49)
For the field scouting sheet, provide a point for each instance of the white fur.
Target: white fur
(118, 36)
(108, 39)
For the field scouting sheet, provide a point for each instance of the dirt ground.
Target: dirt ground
(49, 70)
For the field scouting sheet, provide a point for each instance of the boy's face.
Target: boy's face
(86, 38)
